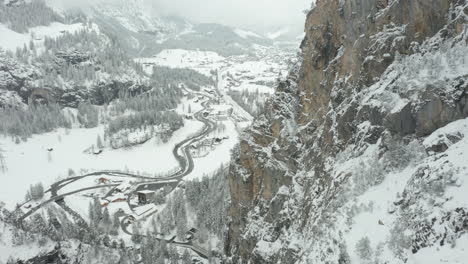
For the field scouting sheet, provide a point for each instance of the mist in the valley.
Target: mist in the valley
(259, 15)
(254, 14)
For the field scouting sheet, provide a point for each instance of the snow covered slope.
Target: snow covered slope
(137, 16)
(202, 61)
(145, 33)
(12, 40)
(360, 156)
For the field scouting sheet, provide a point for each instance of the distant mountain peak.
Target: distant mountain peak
(135, 16)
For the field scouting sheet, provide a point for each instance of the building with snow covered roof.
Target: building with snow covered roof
(145, 196)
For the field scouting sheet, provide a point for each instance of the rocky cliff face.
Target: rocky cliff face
(357, 158)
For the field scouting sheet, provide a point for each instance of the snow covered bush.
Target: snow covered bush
(99, 143)
(35, 192)
(88, 115)
(344, 256)
(364, 249)
(368, 174)
(3, 165)
(400, 236)
(400, 154)
(11, 260)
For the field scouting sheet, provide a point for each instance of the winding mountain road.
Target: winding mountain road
(200, 251)
(181, 152)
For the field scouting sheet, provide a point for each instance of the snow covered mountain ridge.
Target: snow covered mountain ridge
(136, 16)
(139, 29)
(359, 157)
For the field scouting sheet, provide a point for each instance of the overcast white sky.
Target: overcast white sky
(243, 13)
(253, 14)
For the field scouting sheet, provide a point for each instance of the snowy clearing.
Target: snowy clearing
(46, 167)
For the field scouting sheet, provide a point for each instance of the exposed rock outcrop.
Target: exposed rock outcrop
(375, 78)
(72, 57)
(53, 257)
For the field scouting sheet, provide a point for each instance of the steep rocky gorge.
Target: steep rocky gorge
(366, 106)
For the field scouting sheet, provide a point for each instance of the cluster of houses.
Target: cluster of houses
(224, 115)
(208, 142)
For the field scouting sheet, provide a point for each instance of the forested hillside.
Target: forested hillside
(22, 15)
(87, 66)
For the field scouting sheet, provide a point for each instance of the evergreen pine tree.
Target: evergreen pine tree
(115, 224)
(186, 257)
(99, 142)
(97, 211)
(3, 166)
(136, 237)
(92, 214)
(106, 241)
(106, 220)
(122, 244)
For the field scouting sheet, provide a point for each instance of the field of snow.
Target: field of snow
(10, 39)
(201, 61)
(278, 33)
(246, 34)
(253, 88)
(30, 162)
(379, 199)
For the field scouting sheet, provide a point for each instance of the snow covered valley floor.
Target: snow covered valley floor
(127, 174)
(77, 175)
